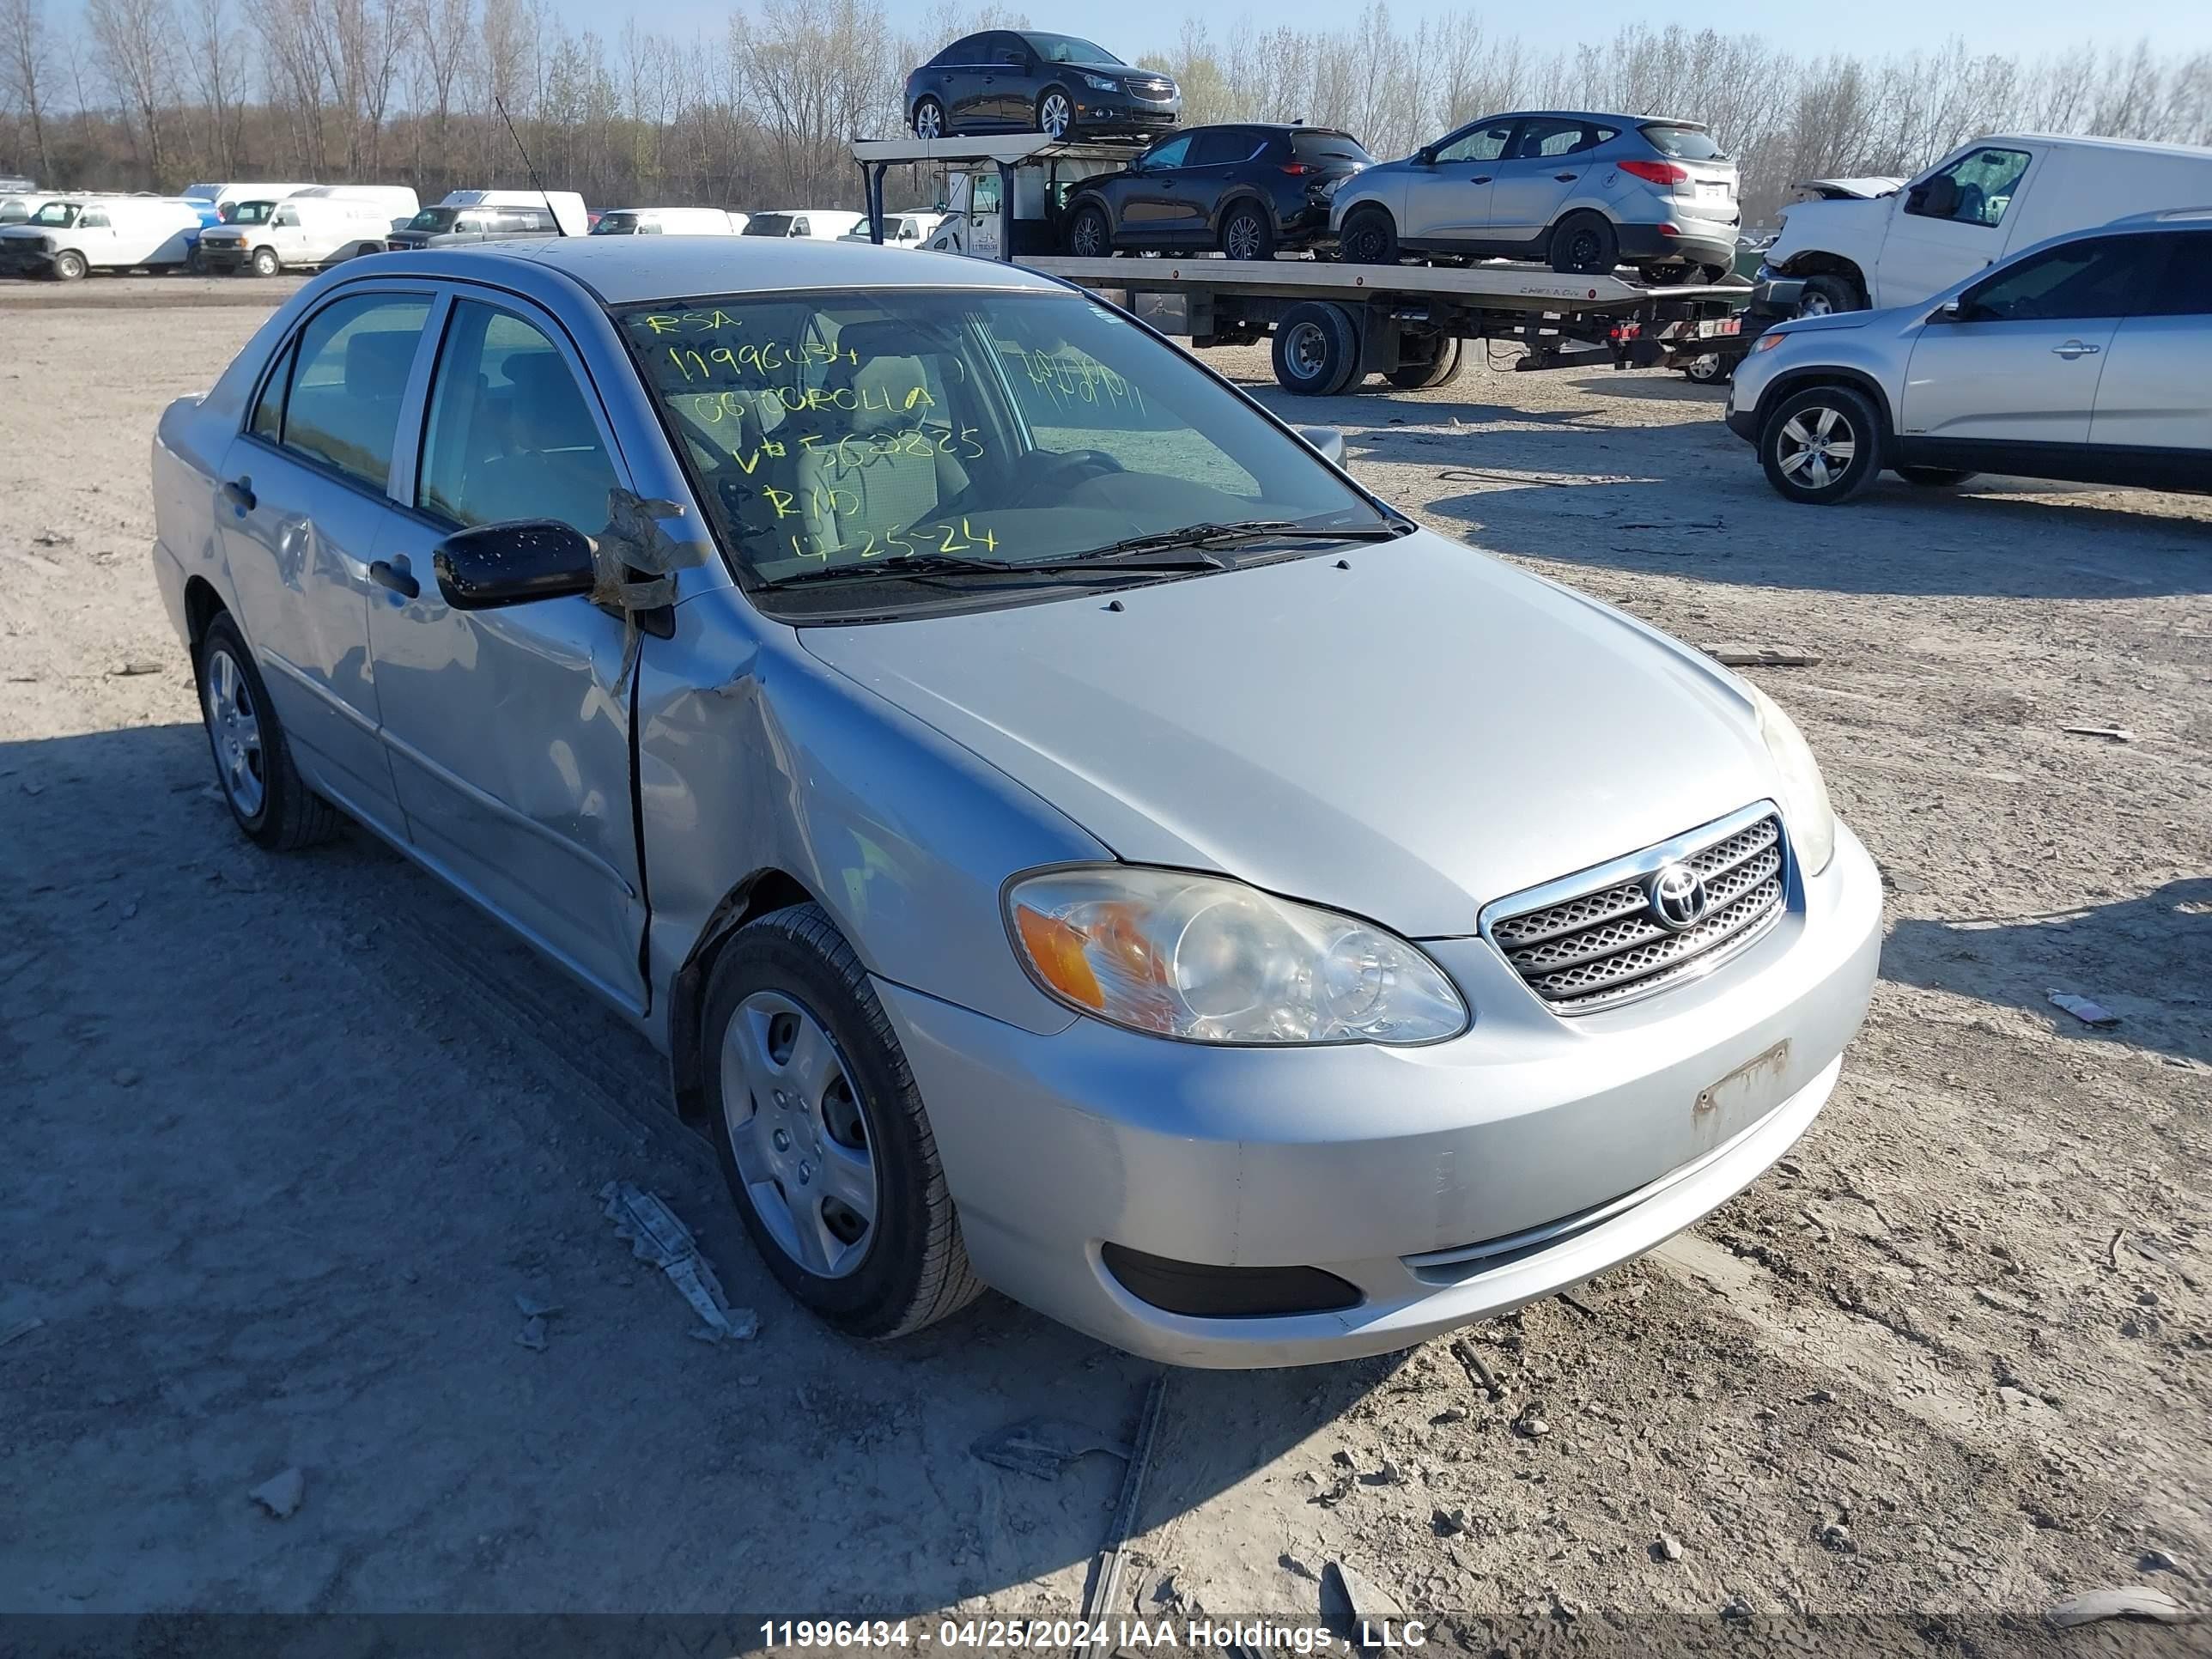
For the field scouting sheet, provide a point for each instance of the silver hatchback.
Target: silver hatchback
(1064, 833)
(1585, 192)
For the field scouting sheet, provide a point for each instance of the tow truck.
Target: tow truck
(1332, 324)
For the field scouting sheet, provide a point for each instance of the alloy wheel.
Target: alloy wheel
(1241, 240)
(928, 119)
(799, 1135)
(1088, 240)
(1816, 447)
(235, 726)
(1816, 304)
(1054, 116)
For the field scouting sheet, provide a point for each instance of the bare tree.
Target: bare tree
(133, 47)
(23, 57)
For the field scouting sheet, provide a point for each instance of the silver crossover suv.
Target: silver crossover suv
(1063, 832)
(1586, 192)
(2087, 358)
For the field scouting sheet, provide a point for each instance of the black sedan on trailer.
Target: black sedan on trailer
(1246, 190)
(1027, 80)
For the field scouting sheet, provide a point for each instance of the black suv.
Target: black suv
(1246, 190)
(1023, 81)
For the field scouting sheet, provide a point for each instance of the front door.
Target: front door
(1544, 165)
(301, 504)
(1147, 207)
(1949, 225)
(1449, 200)
(508, 730)
(2019, 360)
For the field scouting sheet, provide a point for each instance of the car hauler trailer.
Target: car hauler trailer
(1333, 325)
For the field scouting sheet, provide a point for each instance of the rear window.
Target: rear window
(1684, 143)
(1322, 148)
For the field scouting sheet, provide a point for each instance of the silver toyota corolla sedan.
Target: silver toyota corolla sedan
(1065, 834)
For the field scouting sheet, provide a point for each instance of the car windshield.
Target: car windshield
(1066, 49)
(1322, 148)
(58, 216)
(769, 224)
(1683, 143)
(831, 433)
(434, 218)
(249, 213)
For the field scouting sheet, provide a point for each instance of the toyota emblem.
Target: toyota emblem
(1677, 896)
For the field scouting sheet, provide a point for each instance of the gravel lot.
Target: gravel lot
(283, 1139)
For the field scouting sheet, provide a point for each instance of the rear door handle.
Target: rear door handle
(2073, 348)
(1479, 179)
(386, 575)
(1566, 177)
(238, 492)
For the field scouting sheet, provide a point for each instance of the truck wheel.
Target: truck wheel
(195, 262)
(1089, 235)
(1821, 446)
(822, 1134)
(1584, 243)
(1706, 369)
(1440, 367)
(1248, 233)
(1823, 296)
(264, 262)
(1316, 350)
(929, 119)
(1055, 114)
(1370, 238)
(69, 265)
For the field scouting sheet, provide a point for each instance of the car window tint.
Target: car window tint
(269, 412)
(1986, 182)
(965, 50)
(1546, 136)
(1220, 146)
(1323, 147)
(1682, 143)
(353, 360)
(1169, 155)
(510, 433)
(1481, 144)
(2184, 290)
(2101, 277)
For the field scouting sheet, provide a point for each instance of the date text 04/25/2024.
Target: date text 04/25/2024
(1061, 1635)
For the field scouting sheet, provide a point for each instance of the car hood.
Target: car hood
(1830, 323)
(1404, 740)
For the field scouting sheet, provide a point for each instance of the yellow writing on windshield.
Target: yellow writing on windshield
(713, 407)
(961, 536)
(1069, 379)
(855, 450)
(770, 357)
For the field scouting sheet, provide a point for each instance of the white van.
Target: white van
(669, 221)
(395, 203)
(221, 195)
(68, 236)
(566, 206)
(822, 224)
(302, 230)
(899, 230)
(1984, 200)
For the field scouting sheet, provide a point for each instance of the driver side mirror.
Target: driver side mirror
(1950, 311)
(1426, 156)
(513, 564)
(1936, 198)
(1328, 441)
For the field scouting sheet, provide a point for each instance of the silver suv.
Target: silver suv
(1586, 192)
(2087, 358)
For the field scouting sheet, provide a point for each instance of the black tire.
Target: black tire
(915, 1270)
(69, 265)
(1439, 365)
(1090, 233)
(1934, 477)
(1370, 238)
(1822, 296)
(1819, 422)
(1249, 232)
(1585, 245)
(1316, 349)
(1710, 368)
(928, 118)
(285, 814)
(1062, 110)
(195, 262)
(264, 262)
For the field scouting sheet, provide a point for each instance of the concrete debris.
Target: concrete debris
(2125, 1601)
(533, 1335)
(1353, 1607)
(2088, 1013)
(1452, 1414)
(280, 1494)
(2151, 1561)
(133, 669)
(1045, 1446)
(1837, 1537)
(2111, 733)
(654, 1235)
(1449, 1523)
(1666, 1547)
(19, 1328)
(1531, 1422)
(1760, 656)
(531, 1306)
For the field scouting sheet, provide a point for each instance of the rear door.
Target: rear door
(1950, 224)
(2020, 362)
(1547, 161)
(2156, 391)
(1449, 200)
(301, 504)
(508, 730)
(1005, 98)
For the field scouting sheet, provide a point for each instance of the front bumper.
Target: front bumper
(1118, 112)
(25, 262)
(221, 255)
(1560, 1147)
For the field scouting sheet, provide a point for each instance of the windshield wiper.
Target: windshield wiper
(923, 565)
(1203, 536)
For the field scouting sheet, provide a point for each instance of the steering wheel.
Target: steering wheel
(1067, 468)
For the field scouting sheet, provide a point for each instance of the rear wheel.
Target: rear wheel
(1248, 233)
(1933, 477)
(1089, 234)
(1823, 296)
(1370, 238)
(267, 797)
(1316, 349)
(264, 262)
(69, 265)
(1821, 446)
(928, 118)
(1055, 112)
(1585, 244)
(1427, 361)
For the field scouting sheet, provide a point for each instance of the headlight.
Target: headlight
(1102, 83)
(1210, 960)
(1805, 808)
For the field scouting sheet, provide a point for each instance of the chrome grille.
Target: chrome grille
(1595, 948)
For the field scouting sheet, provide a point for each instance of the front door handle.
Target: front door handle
(386, 575)
(238, 492)
(2073, 348)
(1479, 179)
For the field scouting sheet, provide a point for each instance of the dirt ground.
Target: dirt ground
(281, 1140)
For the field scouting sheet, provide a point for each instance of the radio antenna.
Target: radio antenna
(535, 183)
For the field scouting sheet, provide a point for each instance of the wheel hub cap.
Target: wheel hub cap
(234, 725)
(1817, 447)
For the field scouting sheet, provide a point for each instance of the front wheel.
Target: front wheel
(1585, 245)
(264, 262)
(1317, 349)
(1089, 235)
(822, 1134)
(1248, 233)
(1821, 446)
(929, 119)
(1370, 238)
(1933, 477)
(1055, 113)
(69, 265)
(1825, 295)
(1706, 368)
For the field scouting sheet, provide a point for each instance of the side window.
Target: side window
(354, 357)
(801, 228)
(1484, 143)
(1169, 155)
(93, 220)
(269, 413)
(2101, 277)
(510, 433)
(967, 51)
(285, 216)
(988, 194)
(1974, 189)
(1547, 137)
(2183, 292)
(1221, 147)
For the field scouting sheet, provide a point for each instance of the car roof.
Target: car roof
(633, 270)
(2137, 146)
(1595, 115)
